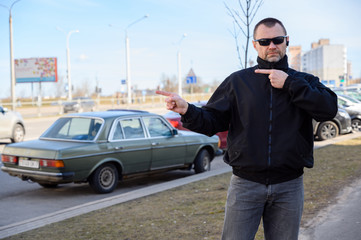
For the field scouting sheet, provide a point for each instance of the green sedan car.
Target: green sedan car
(102, 148)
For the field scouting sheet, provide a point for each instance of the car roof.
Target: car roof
(112, 114)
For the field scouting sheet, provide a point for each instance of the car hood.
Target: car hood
(48, 149)
(354, 109)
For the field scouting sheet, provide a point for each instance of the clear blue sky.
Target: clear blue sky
(98, 51)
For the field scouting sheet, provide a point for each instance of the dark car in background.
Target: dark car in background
(353, 108)
(175, 120)
(79, 104)
(340, 124)
(11, 125)
(103, 147)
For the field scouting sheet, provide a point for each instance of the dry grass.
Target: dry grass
(196, 211)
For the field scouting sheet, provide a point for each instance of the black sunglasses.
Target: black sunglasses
(267, 41)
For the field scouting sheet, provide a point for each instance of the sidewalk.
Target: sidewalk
(341, 221)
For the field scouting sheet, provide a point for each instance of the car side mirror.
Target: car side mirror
(4, 110)
(174, 132)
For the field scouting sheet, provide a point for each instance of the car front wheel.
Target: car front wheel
(104, 179)
(327, 130)
(356, 125)
(202, 162)
(18, 134)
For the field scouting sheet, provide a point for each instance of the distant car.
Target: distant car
(353, 108)
(351, 93)
(79, 104)
(341, 124)
(175, 120)
(103, 147)
(11, 125)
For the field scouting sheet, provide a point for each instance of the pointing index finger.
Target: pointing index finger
(263, 71)
(164, 93)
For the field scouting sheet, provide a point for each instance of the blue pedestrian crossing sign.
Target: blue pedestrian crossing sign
(191, 77)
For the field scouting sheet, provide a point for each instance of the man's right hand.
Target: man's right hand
(174, 102)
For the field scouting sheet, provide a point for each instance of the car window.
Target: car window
(157, 127)
(132, 128)
(74, 128)
(341, 102)
(118, 133)
(351, 99)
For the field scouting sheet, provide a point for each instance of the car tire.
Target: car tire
(18, 134)
(48, 185)
(202, 162)
(327, 130)
(104, 179)
(356, 125)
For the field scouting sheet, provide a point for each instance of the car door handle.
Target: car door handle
(118, 148)
(155, 143)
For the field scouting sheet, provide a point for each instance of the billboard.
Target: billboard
(36, 70)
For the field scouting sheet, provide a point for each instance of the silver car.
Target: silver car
(11, 125)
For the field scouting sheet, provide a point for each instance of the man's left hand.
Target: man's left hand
(277, 77)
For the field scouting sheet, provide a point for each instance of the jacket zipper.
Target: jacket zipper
(270, 127)
(270, 130)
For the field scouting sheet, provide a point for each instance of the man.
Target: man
(268, 110)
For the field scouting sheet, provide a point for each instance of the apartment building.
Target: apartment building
(324, 60)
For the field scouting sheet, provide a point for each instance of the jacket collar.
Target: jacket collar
(280, 65)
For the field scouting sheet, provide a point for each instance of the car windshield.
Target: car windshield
(74, 128)
(351, 99)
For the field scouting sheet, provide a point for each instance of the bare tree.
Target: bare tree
(241, 24)
(169, 84)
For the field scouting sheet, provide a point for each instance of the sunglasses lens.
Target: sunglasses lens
(264, 42)
(278, 40)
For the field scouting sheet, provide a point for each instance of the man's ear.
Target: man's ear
(254, 44)
(287, 43)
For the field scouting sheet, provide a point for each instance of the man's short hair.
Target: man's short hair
(268, 22)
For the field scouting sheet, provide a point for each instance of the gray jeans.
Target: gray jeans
(279, 205)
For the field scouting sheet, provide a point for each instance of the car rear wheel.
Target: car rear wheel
(202, 162)
(356, 125)
(104, 179)
(327, 130)
(18, 133)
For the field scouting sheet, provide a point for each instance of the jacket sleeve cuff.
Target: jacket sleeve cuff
(188, 116)
(287, 83)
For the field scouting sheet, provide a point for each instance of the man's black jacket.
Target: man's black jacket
(270, 134)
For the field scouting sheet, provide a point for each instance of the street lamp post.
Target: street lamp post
(12, 68)
(179, 65)
(127, 58)
(68, 60)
